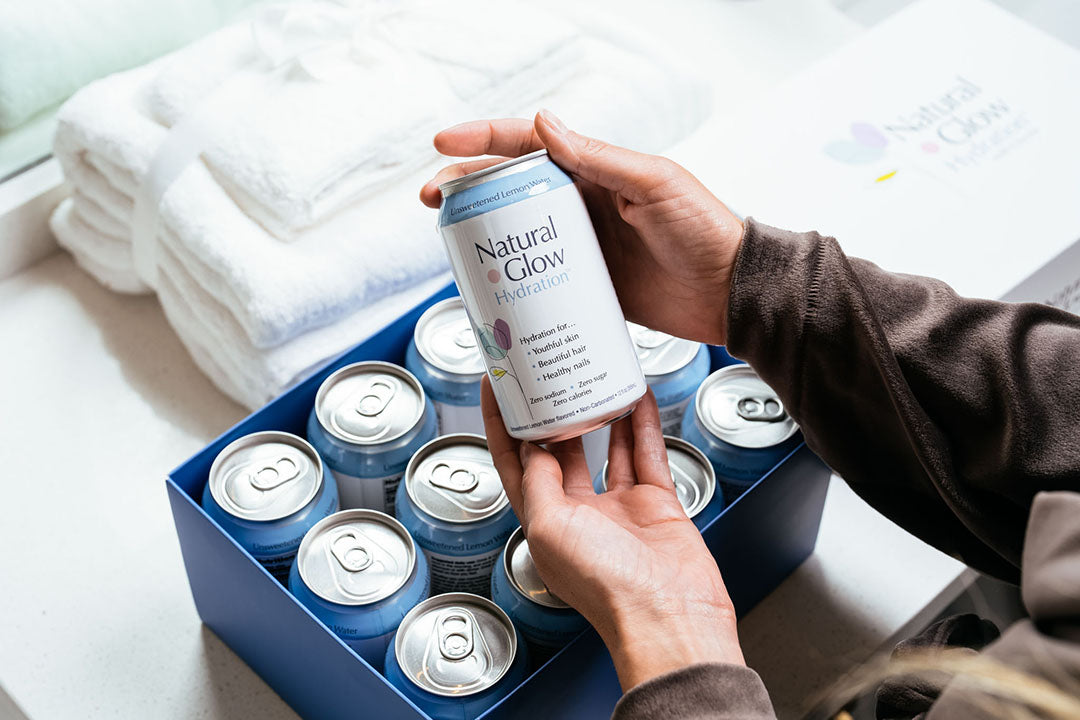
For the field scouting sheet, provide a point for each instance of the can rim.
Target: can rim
(516, 538)
(352, 368)
(462, 598)
(357, 514)
(450, 187)
(258, 438)
(421, 454)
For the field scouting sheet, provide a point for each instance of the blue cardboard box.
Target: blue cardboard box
(758, 540)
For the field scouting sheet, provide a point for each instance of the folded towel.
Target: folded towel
(51, 48)
(306, 148)
(258, 313)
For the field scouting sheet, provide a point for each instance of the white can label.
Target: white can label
(542, 305)
(459, 418)
(456, 573)
(671, 417)
(372, 493)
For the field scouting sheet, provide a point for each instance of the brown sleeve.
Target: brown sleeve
(946, 414)
(1047, 645)
(712, 691)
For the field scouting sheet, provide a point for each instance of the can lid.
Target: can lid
(660, 353)
(444, 337)
(735, 405)
(455, 644)
(692, 473)
(453, 479)
(356, 557)
(370, 402)
(265, 476)
(511, 166)
(519, 567)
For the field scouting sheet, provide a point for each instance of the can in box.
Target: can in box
(368, 420)
(545, 621)
(741, 426)
(452, 501)
(674, 369)
(444, 357)
(694, 478)
(360, 573)
(456, 655)
(267, 489)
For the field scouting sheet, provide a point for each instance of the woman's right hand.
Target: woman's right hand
(670, 245)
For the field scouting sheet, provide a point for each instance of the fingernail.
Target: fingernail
(525, 451)
(550, 118)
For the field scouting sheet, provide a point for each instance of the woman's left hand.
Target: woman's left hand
(628, 559)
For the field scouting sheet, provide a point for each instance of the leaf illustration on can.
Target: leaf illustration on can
(497, 372)
(502, 333)
(490, 343)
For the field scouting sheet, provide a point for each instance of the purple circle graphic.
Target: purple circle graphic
(868, 135)
(493, 275)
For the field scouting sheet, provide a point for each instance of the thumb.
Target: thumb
(628, 173)
(541, 481)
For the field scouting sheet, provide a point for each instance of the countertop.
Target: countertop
(100, 401)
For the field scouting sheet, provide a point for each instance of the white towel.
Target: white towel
(258, 313)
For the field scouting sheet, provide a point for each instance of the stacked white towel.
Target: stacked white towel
(298, 233)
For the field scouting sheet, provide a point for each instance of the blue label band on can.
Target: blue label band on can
(368, 420)
(527, 262)
(542, 617)
(266, 490)
(740, 424)
(674, 368)
(360, 573)
(456, 655)
(444, 357)
(452, 501)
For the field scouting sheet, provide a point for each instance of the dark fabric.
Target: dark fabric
(948, 415)
(700, 692)
(903, 697)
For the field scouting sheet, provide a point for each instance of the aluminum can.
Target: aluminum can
(445, 359)
(546, 622)
(456, 655)
(452, 501)
(674, 369)
(360, 573)
(694, 477)
(741, 426)
(266, 490)
(525, 257)
(368, 420)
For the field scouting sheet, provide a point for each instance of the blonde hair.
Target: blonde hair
(999, 690)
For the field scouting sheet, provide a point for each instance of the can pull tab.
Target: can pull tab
(458, 479)
(760, 408)
(275, 474)
(455, 629)
(649, 338)
(464, 338)
(377, 396)
(349, 551)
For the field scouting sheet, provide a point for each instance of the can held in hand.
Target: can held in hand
(360, 573)
(741, 426)
(674, 368)
(452, 501)
(546, 622)
(368, 420)
(444, 357)
(525, 256)
(266, 490)
(694, 477)
(455, 656)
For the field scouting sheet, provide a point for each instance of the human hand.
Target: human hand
(628, 559)
(670, 245)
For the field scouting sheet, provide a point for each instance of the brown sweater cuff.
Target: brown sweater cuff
(713, 691)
